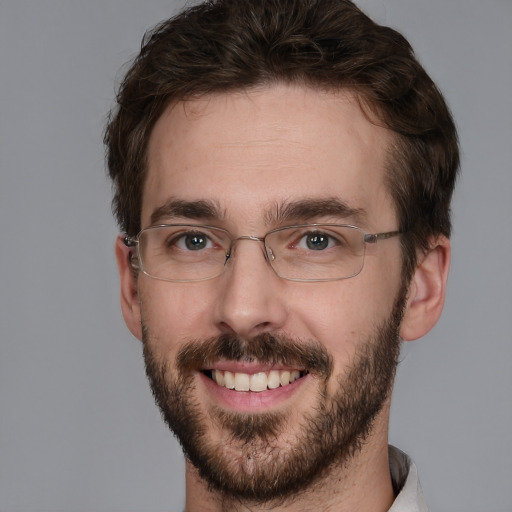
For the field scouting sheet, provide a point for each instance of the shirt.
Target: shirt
(404, 476)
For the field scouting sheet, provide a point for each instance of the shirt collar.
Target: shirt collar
(404, 476)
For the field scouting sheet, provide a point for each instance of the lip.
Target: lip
(250, 401)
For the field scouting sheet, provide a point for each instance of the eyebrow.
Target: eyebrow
(198, 210)
(307, 209)
(302, 210)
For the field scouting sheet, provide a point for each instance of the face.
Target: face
(320, 356)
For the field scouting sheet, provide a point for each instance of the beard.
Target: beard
(268, 457)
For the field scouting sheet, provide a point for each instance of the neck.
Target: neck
(362, 483)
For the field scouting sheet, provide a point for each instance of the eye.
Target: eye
(316, 241)
(192, 241)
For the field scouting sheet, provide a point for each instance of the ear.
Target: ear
(427, 290)
(130, 303)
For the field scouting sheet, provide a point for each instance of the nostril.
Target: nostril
(263, 327)
(225, 328)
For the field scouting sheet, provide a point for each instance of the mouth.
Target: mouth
(255, 382)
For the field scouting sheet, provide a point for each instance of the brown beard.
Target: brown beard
(247, 461)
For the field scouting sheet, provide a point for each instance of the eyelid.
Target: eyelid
(215, 237)
(293, 236)
(333, 239)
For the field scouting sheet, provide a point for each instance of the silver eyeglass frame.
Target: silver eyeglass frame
(136, 264)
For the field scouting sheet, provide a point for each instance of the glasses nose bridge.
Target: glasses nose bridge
(260, 239)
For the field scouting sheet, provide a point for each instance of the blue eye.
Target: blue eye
(192, 241)
(316, 241)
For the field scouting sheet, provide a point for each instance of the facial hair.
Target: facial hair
(245, 460)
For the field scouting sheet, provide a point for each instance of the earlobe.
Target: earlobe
(427, 291)
(130, 303)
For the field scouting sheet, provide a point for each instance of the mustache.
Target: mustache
(265, 348)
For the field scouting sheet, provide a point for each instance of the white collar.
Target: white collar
(406, 483)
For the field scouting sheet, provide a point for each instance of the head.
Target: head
(249, 117)
(228, 46)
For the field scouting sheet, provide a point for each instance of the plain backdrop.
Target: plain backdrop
(78, 427)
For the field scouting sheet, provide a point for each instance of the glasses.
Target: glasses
(306, 252)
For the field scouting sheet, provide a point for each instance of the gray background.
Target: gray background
(78, 427)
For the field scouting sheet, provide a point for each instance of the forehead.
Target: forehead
(250, 153)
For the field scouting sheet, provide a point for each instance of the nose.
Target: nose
(251, 298)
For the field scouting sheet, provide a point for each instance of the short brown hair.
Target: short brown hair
(227, 45)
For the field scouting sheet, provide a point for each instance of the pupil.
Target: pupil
(195, 242)
(317, 241)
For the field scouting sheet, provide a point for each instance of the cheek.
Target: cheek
(174, 313)
(332, 314)
(342, 315)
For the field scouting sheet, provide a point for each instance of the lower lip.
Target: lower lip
(252, 401)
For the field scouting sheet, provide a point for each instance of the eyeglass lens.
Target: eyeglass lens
(303, 253)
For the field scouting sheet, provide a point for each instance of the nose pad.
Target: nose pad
(270, 254)
(231, 252)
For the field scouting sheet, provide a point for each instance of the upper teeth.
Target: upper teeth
(256, 381)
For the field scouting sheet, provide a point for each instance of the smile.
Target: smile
(256, 382)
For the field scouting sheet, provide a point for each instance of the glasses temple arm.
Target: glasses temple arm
(129, 241)
(373, 238)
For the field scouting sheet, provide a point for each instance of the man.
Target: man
(283, 172)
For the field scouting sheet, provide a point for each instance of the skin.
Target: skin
(248, 152)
